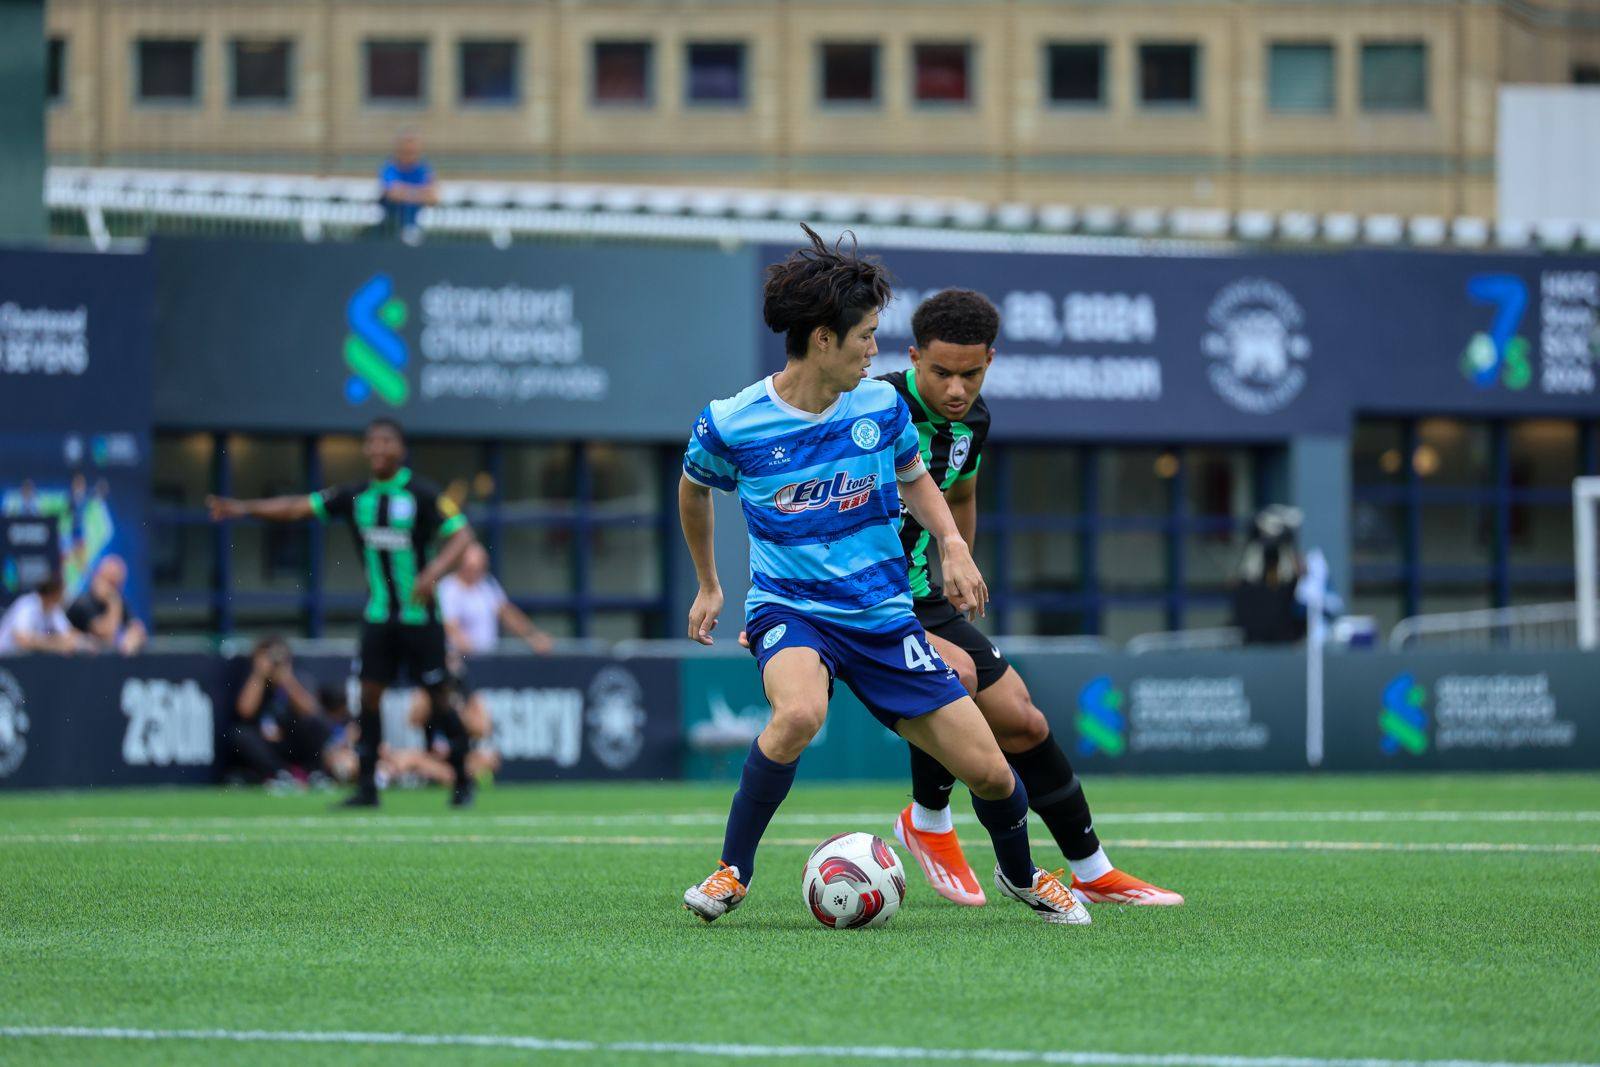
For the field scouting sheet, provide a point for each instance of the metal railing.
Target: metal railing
(1547, 626)
(1198, 640)
(104, 203)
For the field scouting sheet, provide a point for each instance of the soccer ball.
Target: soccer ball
(853, 881)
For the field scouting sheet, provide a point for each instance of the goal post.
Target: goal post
(1586, 546)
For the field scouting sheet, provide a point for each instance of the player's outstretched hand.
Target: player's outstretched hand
(962, 582)
(422, 589)
(222, 507)
(541, 643)
(703, 615)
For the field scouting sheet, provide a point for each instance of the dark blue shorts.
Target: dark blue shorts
(896, 674)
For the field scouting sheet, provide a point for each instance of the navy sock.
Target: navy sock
(762, 786)
(1007, 823)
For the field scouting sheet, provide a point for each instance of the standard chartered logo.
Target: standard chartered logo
(1102, 720)
(1403, 722)
(374, 351)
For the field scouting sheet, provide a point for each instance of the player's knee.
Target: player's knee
(1026, 729)
(794, 723)
(992, 781)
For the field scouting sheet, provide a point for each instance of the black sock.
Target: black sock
(367, 749)
(448, 721)
(1056, 796)
(930, 782)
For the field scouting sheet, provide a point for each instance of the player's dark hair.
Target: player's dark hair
(956, 317)
(822, 286)
(384, 422)
(52, 586)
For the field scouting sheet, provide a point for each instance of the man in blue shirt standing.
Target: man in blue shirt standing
(822, 458)
(407, 186)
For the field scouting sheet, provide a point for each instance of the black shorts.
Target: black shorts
(941, 619)
(388, 648)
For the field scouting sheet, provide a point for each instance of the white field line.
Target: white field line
(730, 1051)
(636, 841)
(740, 1051)
(718, 817)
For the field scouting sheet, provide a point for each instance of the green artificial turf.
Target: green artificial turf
(1465, 923)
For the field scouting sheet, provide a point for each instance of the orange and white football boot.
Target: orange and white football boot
(940, 857)
(1118, 887)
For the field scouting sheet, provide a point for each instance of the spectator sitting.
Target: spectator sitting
(407, 186)
(278, 726)
(101, 613)
(37, 623)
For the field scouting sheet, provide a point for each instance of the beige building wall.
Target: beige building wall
(1229, 150)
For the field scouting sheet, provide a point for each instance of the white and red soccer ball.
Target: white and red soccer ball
(853, 881)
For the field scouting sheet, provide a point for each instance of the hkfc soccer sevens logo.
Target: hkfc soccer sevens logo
(865, 434)
(1501, 354)
(1102, 721)
(374, 351)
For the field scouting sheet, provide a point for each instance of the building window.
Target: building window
(622, 72)
(489, 72)
(261, 71)
(1394, 76)
(1300, 78)
(1075, 74)
(1169, 75)
(169, 70)
(397, 72)
(55, 67)
(716, 73)
(942, 73)
(1586, 74)
(849, 73)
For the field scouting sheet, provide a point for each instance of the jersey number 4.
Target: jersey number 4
(920, 657)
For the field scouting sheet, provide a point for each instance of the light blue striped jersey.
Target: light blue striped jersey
(821, 498)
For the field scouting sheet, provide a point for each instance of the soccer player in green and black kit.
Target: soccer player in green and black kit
(409, 535)
(954, 333)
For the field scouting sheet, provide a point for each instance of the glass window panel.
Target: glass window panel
(1169, 74)
(942, 73)
(168, 70)
(1218, 490)
(538, 500)
(261, 71)
(396, 71)
(1541, 535)
(1133, 560)
(1454, 454)
(1119, 622)
(55, 66)
(1383, 601)
(1457, 534)
(1300, 78)
(180, 553)
(622, 72)
(1378, 453)
(849, 73)
(1394, 76)
(1377, 532)
(489, 72)
(716, 73)
(1544, 454)
(267, 557)
(1438, 598)
(1076, 73)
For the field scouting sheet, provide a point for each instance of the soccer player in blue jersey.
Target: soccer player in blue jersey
(821, 458)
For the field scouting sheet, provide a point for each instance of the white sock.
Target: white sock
(931, 821)
(1095, 866)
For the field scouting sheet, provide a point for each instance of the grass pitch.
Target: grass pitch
(1329, 918)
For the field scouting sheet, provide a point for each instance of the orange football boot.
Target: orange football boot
(940, 857)
(1116, 887)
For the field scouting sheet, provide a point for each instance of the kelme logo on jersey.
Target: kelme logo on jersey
(813, 493)
(866, 434)
(775, 635)
(1102, 726)
(1499, 355)
(374, 351)
(1404, 718)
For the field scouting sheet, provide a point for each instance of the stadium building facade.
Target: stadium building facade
(1323, 107)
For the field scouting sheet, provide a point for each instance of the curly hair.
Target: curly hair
(957, 317)
(822, 286)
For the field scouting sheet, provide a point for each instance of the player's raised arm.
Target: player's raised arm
(962, 581)
(694, 513)
(271, 509)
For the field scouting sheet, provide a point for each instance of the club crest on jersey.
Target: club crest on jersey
(960, 449)
(865, 433)
(401, 508)
(841, 490)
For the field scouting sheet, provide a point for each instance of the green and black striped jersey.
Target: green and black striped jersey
(397, 524)
(951, 450)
